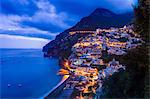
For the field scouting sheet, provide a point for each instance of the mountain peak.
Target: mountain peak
(100, 18)
(101, 9)
(102, 12)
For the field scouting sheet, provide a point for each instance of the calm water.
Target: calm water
(27, 74)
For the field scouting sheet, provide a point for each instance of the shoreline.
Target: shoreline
(64, 78)
(93, 59)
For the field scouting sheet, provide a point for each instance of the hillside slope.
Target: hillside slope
(100, 18)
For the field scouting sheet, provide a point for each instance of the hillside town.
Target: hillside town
(87, 65)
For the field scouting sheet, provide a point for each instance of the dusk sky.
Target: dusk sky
(44, 19)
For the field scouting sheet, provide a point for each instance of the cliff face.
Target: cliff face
(100, 18)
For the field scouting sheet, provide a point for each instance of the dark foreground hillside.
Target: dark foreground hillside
(134, 82)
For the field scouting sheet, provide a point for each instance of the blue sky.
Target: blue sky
(46, 18)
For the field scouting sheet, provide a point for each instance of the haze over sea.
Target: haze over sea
(25, 73)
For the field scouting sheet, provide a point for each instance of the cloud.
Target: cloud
(11, 24)
(81, 8)
(11, 21)
(120, 6)
(47, 14)
(45, 22)
(18, 7)
(12, 41)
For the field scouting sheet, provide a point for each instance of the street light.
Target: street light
(66, 64)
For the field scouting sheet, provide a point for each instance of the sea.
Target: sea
(25, 73)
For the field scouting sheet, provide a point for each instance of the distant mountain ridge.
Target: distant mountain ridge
(100, 18)
(103, 18)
